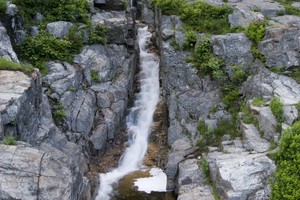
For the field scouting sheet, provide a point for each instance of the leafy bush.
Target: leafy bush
(9, 140)
(190, 41)
(198, 16)
(45, 47)
(12, 66)
(277, 109)
(98, 35)
(58, 112)
(205, 62)
(239, 75)
(287, 176)
(256, 32)
(55, 10)
(2, 6)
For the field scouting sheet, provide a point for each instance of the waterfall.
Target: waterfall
(139, 120)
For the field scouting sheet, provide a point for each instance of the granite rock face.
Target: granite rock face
(280, 45)
(28, 173)
(6, 50)
(59, 29)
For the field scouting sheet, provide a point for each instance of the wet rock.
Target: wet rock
(233, 48)
(280, 46)
(117, 24)
(238, 175)
(191, 182)
(253, 140)
(99, 136)
(6, 50)
(59, 29)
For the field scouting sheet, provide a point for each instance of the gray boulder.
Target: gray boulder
(238, 175)
(243, 16)
(253, 140)
(59, 29)
(12, 10)
(233, 48)
(6, 50)
(61, 77)
(191, 182)
(29, 173)
(280, 46)
(290, 114)
(180, 149)
(117, 24)
(267, 122)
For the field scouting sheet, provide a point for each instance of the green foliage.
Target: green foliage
(206, 18)
(198, 16)
(287, 176)
(190, 41)
(289, 9)
(206, 172)
(55, 10)
(205, 168)
(209, 137)
(2, 6)
(256, 32)
(9, 140)
(231, 99)
(277, 109)
(258, 101)
(295, 74)
(205, 62)
(95, 76)
(239, 75)
(98, 35)
(247, 115)
(12, 66)
(236, 29)
(45, 47)
(58, 112)
(170, 7)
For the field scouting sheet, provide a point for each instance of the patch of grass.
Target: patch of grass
(287, 176)
(95, 76)
(9, 140)
(277, 109)
(236, 29)
(295, 74)
(258, 101)
(247, 115)
(209, 137)
(12, 66)
(289, 9)
(206, 171)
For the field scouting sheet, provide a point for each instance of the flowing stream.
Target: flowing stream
(139, 120)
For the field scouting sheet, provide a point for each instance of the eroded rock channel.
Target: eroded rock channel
(225, 99)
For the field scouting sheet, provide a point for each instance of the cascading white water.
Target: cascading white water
(139, 119)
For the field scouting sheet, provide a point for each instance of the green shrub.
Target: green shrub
(98, 35)
(45, 47)
(190, 41)
(9, 140)
(12, 66)
(287, 176)
(170, 7)
(55, 10)
(277, 109)
(205, 62)
(256, 31)
(2, 7)
(198, 16)
(239, 75)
